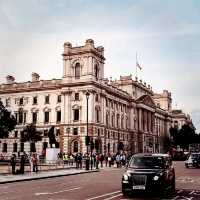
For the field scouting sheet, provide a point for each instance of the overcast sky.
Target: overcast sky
(166, 35)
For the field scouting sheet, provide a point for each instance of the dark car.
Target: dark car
(193, 160)
(149, 173)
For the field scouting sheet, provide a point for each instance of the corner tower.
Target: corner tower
(83, 63)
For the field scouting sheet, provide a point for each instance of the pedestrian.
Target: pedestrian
(22, 163)
(101, 159)
(109, 160)
(35, 162)
(97, 161)
(13, 163)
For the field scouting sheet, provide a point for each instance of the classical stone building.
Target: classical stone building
(122, 114)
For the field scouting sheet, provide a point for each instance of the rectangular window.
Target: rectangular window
(21, 134)
(20, 118)
(7, 102)
(4, 147)
(14, 147)
(45, 145)
(58, 116)
(34, 117)
(75, 131)
(46, 117)
(59, 98)
(45, 133)
(34, 100)
(47, 99)
(22, 147)
(76, 96)
(76, 114)
(24, 118)
(16, 134)
(21, 101)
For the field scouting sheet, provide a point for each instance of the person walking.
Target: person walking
(13, 163)
(22, 163)
(35, 162)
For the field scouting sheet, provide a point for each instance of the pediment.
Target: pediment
(146, 100)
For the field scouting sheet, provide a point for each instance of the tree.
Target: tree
(7, 121)
(174, 135)
(166, 143)
(31, 135)
(51, 135)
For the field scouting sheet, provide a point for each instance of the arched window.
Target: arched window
(122, 122)
(76, 146)
(77, 71)
(96, 71)
(97, 114)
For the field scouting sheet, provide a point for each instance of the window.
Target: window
(21, 101)
(34, 100)
(98, 132)
(122, 122)
(76, 114)
(75, 131)
(16, 134)
(20, 117)
(24, 118)
(14, 147)
(97, 115)
(96, 97)
(4, 147)
(22, 147)
(34, 117)
(21, 134)
(76, 96)
(59, 99)
(107, 119)
(113, 120)
(58, 116)
(46, 117)
(106, 102)
(45, 133)
(96, 71)
(75, 146)
(7, 102)
(118, 120)
(47, 99)
(77, 71)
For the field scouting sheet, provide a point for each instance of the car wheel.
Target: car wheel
(186, 166)
(173, 188)
(125, 193)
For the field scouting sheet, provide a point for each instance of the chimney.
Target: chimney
(35, 77)
(10, 79)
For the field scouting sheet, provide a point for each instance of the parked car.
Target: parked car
(149, 173)
(193, 160)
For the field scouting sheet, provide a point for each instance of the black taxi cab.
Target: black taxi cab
(149, 173)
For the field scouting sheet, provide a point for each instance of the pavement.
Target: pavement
(28, 176)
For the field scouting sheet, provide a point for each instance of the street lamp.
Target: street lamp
(87, 139)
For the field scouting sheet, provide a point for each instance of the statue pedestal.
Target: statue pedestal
(52, 155)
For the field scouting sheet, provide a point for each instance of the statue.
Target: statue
(51, 135)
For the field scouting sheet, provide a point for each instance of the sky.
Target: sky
(165, 35)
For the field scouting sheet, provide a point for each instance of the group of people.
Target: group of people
(23, 158)
(94, 159)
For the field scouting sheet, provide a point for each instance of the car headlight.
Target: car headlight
(125, 177)
(155, 178)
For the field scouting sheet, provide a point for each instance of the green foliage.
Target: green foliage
(185, 136)
(30, 134)
(7, 121)
(166, 143)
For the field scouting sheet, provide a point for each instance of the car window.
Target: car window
(150, 162)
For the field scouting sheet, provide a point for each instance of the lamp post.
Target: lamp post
(87, 162)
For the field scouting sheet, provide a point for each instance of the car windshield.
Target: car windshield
(195, 156)
(147, 162)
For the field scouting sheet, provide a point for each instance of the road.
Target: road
(103, 185)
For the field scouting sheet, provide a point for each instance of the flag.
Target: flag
(137, 65)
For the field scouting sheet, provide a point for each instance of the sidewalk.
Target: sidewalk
(5, 178)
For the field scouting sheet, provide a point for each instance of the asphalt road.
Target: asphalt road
(104, 185)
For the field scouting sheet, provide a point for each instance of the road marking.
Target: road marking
(103, 195)
(118, 195)
(179, 191)
(46, 193)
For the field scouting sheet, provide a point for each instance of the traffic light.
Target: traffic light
(87, 140)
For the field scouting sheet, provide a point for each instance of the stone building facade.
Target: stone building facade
(123, 114)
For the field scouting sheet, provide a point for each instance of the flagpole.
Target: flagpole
(136, 65)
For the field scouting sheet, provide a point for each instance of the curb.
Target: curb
(45, 177)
